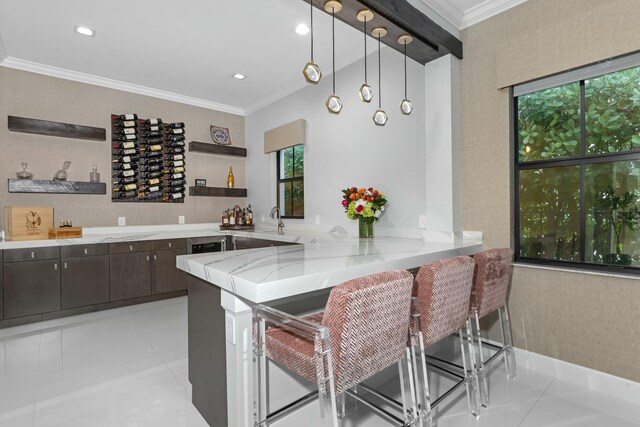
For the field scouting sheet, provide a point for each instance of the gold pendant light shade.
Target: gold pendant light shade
(312, 73)
(365, 92)
(379, 117)
(334, 103)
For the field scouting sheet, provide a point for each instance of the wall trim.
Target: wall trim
(62, 73)
(463, 19)
(620, 388)
(576, 270)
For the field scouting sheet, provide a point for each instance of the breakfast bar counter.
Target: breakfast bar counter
(223, 287)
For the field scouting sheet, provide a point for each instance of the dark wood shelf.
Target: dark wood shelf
(223, 150)
(63, 130)
(217, 192)
(56, 187)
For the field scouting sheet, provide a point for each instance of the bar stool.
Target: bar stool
(443, 290)
(490, 287)
(363, 330)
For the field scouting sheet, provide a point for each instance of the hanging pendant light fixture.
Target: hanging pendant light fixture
(311, 70)
(334, 104)
(379, 117)
(365, 92)
(406, 107)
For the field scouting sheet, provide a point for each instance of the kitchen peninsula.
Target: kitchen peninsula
(224, 286)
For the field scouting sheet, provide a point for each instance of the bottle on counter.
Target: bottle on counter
(225, 218)
(230, 178)
(232, 218)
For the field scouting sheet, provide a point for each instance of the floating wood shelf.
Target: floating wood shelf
(217, 192)
(63, 130)
(224, 150)
(56, 187)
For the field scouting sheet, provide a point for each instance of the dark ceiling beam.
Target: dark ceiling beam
(431, 41)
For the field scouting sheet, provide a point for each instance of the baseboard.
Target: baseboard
(620, 388)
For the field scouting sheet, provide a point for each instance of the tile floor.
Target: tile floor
(128, 368)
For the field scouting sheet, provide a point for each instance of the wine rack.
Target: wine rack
(148, 159)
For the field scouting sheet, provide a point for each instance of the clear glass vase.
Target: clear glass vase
(365, 229)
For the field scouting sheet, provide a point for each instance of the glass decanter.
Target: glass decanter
(61, 175)
(24, 173)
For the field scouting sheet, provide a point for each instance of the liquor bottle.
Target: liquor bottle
(176, 125)
(173, 138)
(230, 179)
(153, 121)
(225, 218)
(232, 218)
(250, 214)
(129, 137)
(131, 116)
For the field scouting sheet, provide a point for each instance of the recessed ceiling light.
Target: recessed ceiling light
(302, 29)
(85, 31)
(239, 76)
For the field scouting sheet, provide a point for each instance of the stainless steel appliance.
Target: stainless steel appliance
(199, 245)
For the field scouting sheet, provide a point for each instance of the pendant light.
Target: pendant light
(334, 104)
(406, 107)
(311, 70)
(365, 92)
(379, 117)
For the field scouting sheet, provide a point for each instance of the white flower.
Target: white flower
(382, 208)
(377, 214)
(361, 202)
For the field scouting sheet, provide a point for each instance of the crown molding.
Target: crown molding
(486, 10)
(463, 19)
(116, 84)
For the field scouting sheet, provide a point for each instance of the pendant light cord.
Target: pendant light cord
(365, 50)
(379, 75)
(333, 44)
(311, 3)
(405, 69)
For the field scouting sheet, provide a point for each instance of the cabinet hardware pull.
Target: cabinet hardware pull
(65, 265)
(147, 257)
(130, 247)
(33, 254)
(154, 257)
(55, 266)
(85, 251)
(169, 244)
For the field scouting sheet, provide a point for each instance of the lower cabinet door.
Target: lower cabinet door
(129, 275)
(85, 281)
(31, 287)
(165, 276)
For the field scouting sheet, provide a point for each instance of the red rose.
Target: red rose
(359, 208)
(375, 192)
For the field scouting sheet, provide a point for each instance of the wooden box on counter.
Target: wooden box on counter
(27, 222)
(65, 232)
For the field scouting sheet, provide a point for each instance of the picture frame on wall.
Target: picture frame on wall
(220, 135)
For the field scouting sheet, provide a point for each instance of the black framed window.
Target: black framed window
(577, 172)
(290, 165)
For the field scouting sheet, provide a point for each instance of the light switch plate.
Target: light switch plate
(122, 221)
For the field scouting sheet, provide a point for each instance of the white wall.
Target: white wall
(348, 149)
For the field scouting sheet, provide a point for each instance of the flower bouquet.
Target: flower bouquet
(365, 205)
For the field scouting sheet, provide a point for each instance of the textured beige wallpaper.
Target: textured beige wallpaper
(37, 96)
(580, 318)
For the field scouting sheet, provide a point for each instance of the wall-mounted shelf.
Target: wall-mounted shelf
(56, 187)
(63, 130)
(224, 150)
(217, 192)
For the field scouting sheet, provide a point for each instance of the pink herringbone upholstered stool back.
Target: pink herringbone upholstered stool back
(491, 280)
(443, 289)
(368, 322)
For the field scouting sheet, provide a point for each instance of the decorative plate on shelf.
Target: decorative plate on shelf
(220, 135)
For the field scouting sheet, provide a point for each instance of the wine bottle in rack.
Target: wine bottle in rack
(129, 180)
(175, 131)
(175, 156)
(126, 173)
(173, 138)
(124, 131)
(152, 195)
(125, 188)
(152, 181)
(176, 182)
(176, 176)
(150, 154)
(153, 121)
(124, 195)
(150, 168)
(149, 175)
(178, 150)
(125, 166)
(126, 117)
(127, 159)
(128, 137)
(126, 152)
(152, 140)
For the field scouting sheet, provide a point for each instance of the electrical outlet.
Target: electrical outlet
(422, 221)
(122, 221)
(181, 219)
(317, 219)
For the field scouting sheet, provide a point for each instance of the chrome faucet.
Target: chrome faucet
(275, 213)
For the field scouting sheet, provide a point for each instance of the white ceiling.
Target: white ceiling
(186, 51)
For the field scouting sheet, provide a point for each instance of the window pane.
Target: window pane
(549, 123)
(612, 200)
(550, 213)
(613, 112)
(297, 193)
(284, 193)
(286, 163)
(298, 159)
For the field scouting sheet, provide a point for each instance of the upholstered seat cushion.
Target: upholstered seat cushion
(293, 351)
(491, 280)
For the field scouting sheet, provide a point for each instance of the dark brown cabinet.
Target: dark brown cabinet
(129, 275)
(31, 287)
(85, 275)
(165, 276)
(1, 290)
